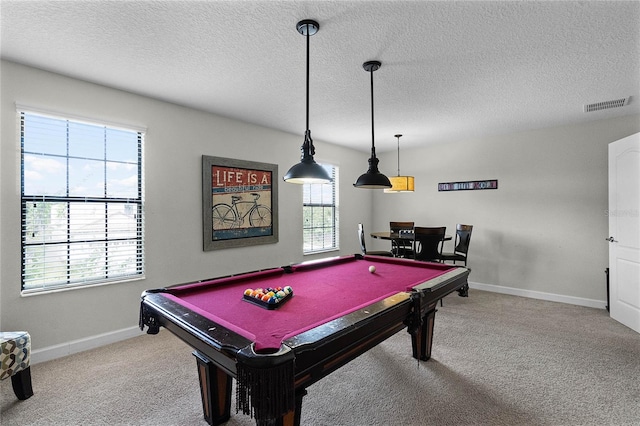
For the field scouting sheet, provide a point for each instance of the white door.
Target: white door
(624, 231)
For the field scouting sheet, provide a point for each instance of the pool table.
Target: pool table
(338, 309)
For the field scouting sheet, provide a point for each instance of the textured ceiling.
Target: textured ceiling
(450, 70)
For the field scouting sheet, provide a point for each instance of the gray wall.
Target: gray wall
(176, 139)
(542, 232)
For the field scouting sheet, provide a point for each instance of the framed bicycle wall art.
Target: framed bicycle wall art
(239, 202)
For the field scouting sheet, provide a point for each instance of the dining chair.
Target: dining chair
(461, 247)
(401, 247)
(427, 243)
(363, 246)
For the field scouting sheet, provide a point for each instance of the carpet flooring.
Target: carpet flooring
(497, 360)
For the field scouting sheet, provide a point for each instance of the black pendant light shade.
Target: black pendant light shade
(372, 179)
(307, 170)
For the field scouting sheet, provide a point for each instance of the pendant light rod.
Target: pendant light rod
(398, 137)
(370, 67)
(307, 33)
(307, 28)
(307, 171)
(373, 134)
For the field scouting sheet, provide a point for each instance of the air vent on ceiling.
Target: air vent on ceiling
(606, 105)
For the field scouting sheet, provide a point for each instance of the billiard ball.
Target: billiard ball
(372, 269)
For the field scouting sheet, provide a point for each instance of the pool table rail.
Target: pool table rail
(216, 342)
(327, 347)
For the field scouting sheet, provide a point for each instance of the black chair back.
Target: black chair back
(401, 247)
(461, 248)
(363, 246)
(396, 227)
(463, 238)
(427, 243)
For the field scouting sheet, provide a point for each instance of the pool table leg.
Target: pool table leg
(292, 418)
(422, 335)
(464, 291)
(215, 389)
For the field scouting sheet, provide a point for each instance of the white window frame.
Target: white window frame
(77, 240)
(323, 236)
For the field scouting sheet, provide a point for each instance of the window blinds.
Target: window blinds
(320, 214)
(82, 203)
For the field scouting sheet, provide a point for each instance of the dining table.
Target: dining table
(404, 236)
(408, 235)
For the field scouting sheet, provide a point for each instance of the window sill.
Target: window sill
(311, 253)
(39, 291)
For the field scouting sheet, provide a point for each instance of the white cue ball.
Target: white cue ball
(372, 269)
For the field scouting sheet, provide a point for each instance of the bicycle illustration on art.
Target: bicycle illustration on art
(239, 203)
(225, 216)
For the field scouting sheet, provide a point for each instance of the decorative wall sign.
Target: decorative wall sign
(239, 202)
(468, 185)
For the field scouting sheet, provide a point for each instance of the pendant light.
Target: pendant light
(400, 183)
(307, 170)
(373, 179)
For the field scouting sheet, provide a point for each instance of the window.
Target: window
(320, 214)
(82, 204)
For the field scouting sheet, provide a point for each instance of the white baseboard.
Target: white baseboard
(551, 297)
(75, 346)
